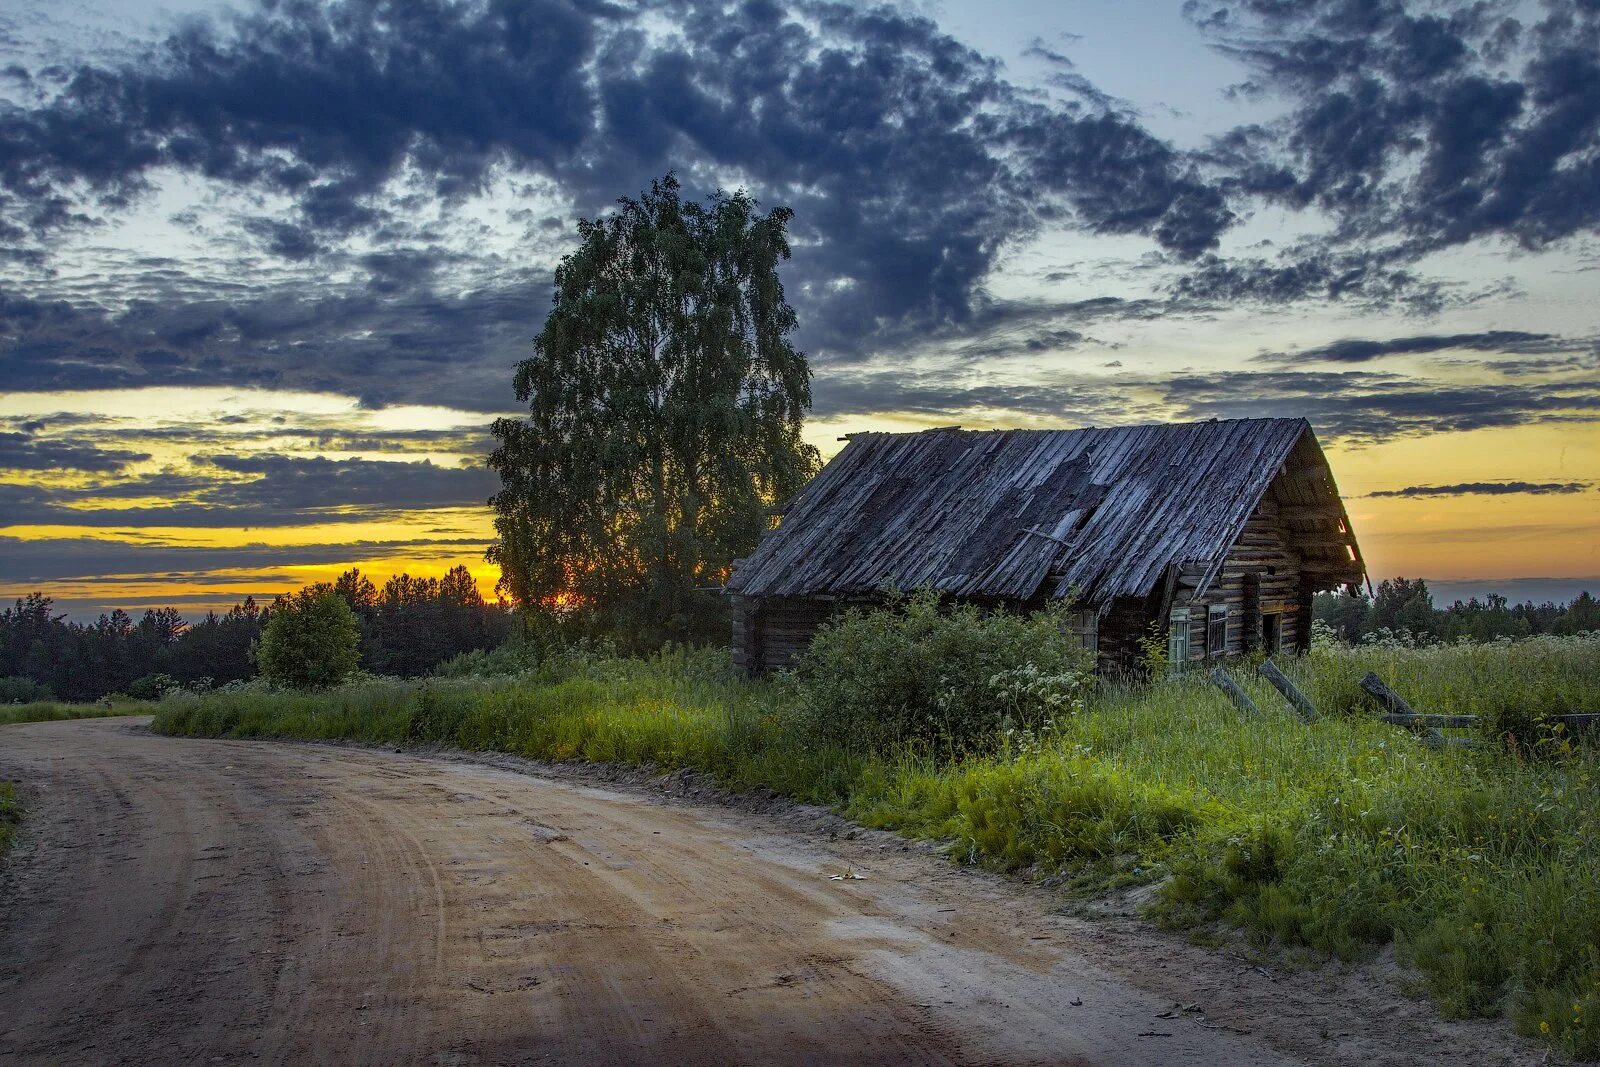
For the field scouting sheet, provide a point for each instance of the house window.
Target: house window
(1217, 630)
(1178, 638)
(1084, 627)
(1272, 633)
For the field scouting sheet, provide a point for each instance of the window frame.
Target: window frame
(1084, 626)
(1272, 632)
(1177, 638)
(1217, 630)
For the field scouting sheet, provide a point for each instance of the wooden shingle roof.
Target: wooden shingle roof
(1016, 514)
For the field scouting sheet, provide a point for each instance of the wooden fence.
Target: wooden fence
(1396, 709)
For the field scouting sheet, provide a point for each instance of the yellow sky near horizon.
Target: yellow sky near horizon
(1471, 537)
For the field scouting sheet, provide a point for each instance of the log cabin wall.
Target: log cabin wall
(770, 634)
(1262, 576)
(1121, 627)
(1132, 520)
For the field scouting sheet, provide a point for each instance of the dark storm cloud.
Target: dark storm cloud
(1357, 350)
(1428, 126)
(1365, 277)
(1363, 405)
(57, 559)
(255, 490)
(1484, 489)
(25, 452)
(293, 483)
(383, 344)
(909, 158)
(1373, 406)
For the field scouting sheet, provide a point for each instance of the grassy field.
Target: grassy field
(50, 710)
(1334, 838)
(10, 815)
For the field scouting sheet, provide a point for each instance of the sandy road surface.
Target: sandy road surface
(211, 901)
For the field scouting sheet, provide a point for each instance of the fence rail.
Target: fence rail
(1397, 711)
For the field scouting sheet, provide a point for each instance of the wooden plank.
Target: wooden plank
(1576, 721)
(1386, 696)
(1297, 700)
(1240, 698)
(1415, 721)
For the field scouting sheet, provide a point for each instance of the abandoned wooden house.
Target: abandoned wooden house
(1213, 535)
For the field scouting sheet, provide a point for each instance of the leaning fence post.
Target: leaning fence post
(1297, 700)
(1222, 681)
(1403, 714)
(1386, 696)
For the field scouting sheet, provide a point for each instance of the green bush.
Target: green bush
(951, 679)
(152, 686)
(310, 640)
(17, 689)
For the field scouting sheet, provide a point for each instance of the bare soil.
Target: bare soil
(180, 901)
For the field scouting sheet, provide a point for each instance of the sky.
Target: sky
(266, 266)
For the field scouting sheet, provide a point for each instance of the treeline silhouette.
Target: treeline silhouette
(408, 627)
(1405, 606)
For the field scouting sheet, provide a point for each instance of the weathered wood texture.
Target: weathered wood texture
(963, 511)
(1128, 521)
(770, 634)
(1576, 721)
(1387, 697)
(1221, 679)
(1124, 623)
(1297, 700)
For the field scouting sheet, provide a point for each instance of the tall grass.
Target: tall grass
(1338, 837)
(10, 815)
(50, 710)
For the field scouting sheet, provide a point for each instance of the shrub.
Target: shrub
(310, 640)
(952, 679)
(18, 689)
(152, 686)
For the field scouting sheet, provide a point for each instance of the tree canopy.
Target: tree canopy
(665, 409)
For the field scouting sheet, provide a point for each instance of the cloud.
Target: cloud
(25, 452)
(1355, 350)
(1420, 128)
(307, 485)
(24, 562)
(909, 158)
(266, 490)
(1484, 489)
(1374, 406)
(1354, 404)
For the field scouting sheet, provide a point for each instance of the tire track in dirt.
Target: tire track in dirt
(184, 901)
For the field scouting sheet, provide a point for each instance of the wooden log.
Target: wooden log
(1586, 720)
(1580, 721)
(1386, 696)
(1418, 722)
(1220, 679)
(1297, 700)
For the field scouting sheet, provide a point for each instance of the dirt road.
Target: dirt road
(212, 901)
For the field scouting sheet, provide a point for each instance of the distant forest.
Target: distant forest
(408, 627)
(1404, 606)
(412, 625)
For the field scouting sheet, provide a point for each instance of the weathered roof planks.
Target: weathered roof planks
(1015, 514)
